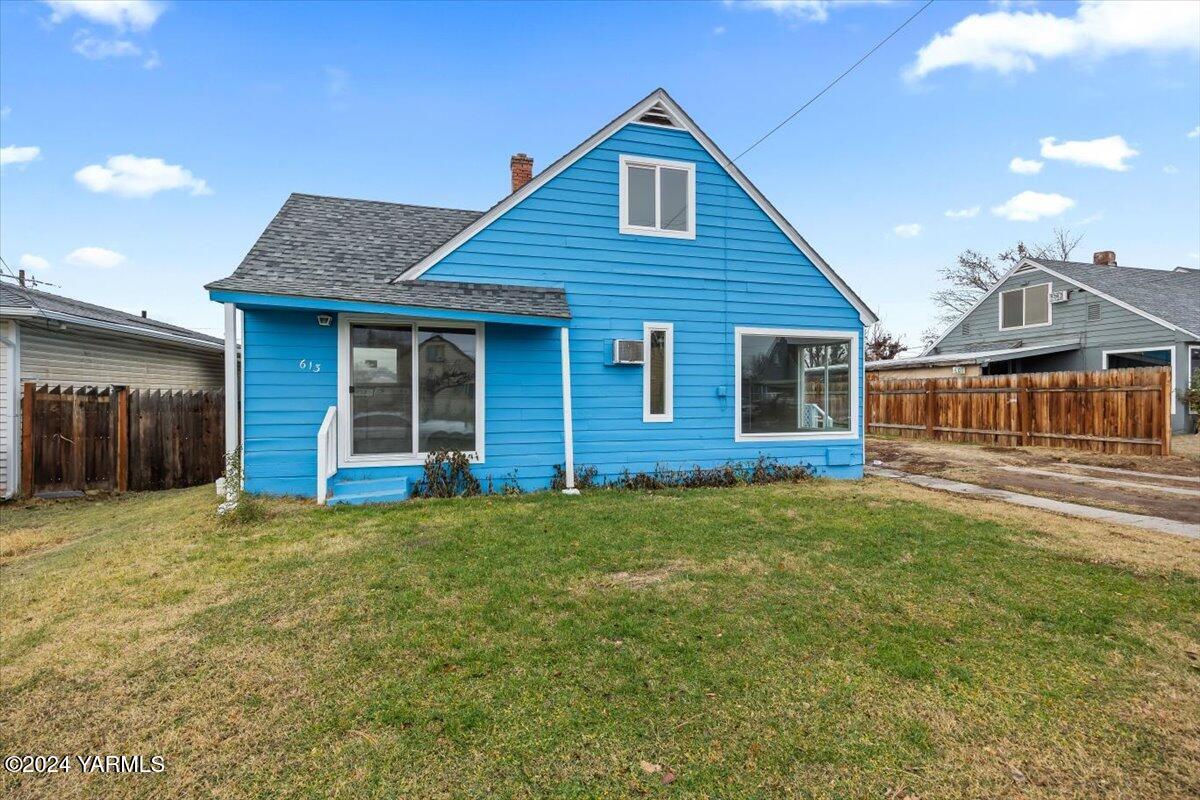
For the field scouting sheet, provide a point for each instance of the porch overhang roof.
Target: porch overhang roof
(975, 357)
(477, 302)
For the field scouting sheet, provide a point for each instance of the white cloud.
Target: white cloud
(1090, 218)
(908, 230)
(94, 257)
(963, 213)
(30, 261)
(1025, 166)
(719, 30)
(6, 110)
(133, 176)
(138, 15)
(1032, 206)
(1015, 41)
(1171, 169)
(803, 10)
(95, 48)
(1108, 153)
(1194, 132)
(18, 155)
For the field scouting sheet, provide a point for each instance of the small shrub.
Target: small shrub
(764, 469)
(511, 486)
(248, 511)
(447, 474)
(585, 478)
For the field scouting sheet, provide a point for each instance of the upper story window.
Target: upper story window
(1025, 308)
(658, 198)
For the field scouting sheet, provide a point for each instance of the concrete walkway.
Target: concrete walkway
(1143, 521)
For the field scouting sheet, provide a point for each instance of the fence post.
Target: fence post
(930, 405)
(121, 462)
(1024, 420)
(27, 439)
(1168, 398)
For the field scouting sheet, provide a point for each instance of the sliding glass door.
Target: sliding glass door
(412, 389)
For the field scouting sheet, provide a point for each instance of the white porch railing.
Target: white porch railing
(327, 452)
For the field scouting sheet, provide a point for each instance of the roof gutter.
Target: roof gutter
(133, 330)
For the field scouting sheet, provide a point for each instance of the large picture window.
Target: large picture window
(1025, 308)
(408, 389)
(657, 198)
(795, 384)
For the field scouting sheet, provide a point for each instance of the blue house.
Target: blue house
(637, 303)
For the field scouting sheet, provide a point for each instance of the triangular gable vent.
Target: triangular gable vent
(657, 114)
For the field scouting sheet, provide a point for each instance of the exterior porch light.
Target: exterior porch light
(324, 320)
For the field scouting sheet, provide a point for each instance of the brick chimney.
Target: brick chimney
(522, 170)
(1104, 258)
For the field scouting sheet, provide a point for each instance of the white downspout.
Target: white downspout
(568, 423)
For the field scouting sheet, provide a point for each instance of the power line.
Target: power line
(835, 81)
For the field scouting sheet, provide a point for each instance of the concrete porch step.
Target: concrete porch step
(350, 491)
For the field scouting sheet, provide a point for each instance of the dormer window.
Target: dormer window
(658, 198)
(1025, 308)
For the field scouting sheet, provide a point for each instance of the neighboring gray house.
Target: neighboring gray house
(1051, 316)
(51, 339)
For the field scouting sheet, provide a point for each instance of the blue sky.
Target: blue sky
(244, 103)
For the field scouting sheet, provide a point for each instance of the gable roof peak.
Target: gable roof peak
(661, 99)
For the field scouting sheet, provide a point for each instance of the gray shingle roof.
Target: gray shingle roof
(43, 303)
(1172, 296)
(342, 249)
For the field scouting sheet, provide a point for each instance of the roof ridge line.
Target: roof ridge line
(383, 202)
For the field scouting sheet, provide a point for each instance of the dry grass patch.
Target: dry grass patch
(834, 639)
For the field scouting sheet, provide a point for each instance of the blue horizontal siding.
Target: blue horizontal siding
(741, 269)
(285, 404)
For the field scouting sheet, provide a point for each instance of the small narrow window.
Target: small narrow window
(657, 198)
(658, 372)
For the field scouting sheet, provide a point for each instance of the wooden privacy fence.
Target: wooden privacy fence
(78, 438)
(1114, 411)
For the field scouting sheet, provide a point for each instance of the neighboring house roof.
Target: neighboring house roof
(1170, 298)
(660, 99)
(1016, 350)
(341, 249)
(20, 301)
(1171, 295)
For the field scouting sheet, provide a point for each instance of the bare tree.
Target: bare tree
(881, 344)
(973, 273)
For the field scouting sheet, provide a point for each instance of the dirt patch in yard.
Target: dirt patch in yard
(985, 466)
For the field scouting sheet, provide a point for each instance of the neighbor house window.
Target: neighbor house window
(408, 389)
(1025, 308)
(794, 383)
(1153, 357)
(658, 372)
(657, 198)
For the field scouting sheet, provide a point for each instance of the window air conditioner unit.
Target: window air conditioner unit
(1060, 296)
(627, 351)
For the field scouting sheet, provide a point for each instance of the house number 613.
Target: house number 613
(309, 366)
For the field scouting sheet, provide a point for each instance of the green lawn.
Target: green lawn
(813, 640)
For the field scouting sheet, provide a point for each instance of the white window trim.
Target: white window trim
(627, 161)
(345, 418)
(1049, 307)
(668, 414)
(795, 436)
(1170, 348)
